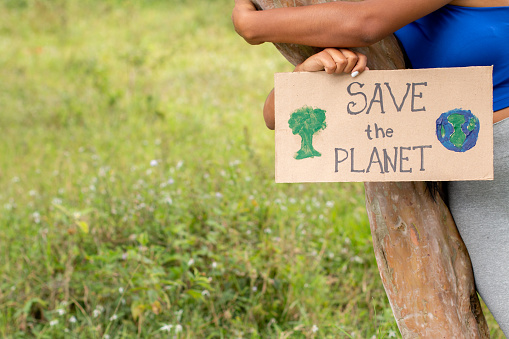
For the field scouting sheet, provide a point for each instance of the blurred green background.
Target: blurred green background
(137, 195)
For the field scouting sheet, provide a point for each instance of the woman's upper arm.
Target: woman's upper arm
(383, 17)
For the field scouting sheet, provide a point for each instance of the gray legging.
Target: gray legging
(481, 212)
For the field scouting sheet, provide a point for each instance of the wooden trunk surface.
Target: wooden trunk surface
(423, 263)
(385, 54)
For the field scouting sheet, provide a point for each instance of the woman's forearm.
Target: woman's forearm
(325, 25)
(334, 24)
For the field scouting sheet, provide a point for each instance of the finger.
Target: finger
(351, 59)
(338, 58)
(327, 62)
(361, 64)
(318, 62)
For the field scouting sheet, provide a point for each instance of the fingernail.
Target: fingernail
(354, 74)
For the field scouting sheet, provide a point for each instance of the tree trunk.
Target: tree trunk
(424, 265)
(423, 262)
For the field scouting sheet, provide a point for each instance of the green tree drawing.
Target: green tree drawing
(305, 122)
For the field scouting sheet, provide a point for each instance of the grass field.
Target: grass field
(137, 197)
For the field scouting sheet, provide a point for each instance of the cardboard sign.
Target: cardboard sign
(400, 125)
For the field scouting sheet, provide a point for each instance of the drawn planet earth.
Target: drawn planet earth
(458, 130)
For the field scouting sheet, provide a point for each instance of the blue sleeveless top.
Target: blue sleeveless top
(455, 36)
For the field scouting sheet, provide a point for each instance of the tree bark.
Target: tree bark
(423, 263)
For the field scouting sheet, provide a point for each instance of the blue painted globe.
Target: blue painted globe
(458, 130)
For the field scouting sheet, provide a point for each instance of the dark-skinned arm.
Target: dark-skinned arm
(334, 24)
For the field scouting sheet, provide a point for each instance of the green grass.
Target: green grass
(97, 239)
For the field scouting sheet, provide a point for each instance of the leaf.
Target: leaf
(83, 226)
(156, 307)
(195, 294)
(137, 310)
(34, 301)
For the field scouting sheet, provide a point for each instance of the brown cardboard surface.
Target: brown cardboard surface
(382, 125)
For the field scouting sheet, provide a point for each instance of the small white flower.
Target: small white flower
(348, 241)
(190, 262)
(178, 328)
(214, 264)
(248, 232)
(392, 334)
(106, 336)
(96, 313)
(120, 290)
(32, 193)
(255, 288)
(205, 293)
(154, 163)
(314, 329)
(357, 259)
(72, 319)
(15, 179)
(166, 328)
(219, 195)
(267, 230)
(180, 164)
(171, 181)
(113, 317)
(60, 311)
(53, 322)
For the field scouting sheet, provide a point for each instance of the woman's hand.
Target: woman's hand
(242, 11)
(333, 61)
